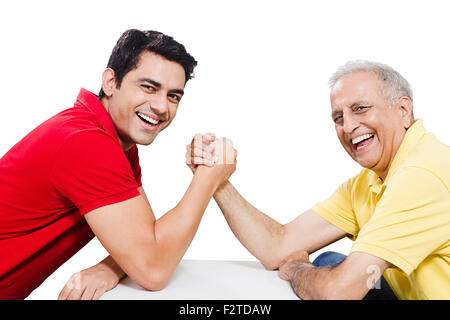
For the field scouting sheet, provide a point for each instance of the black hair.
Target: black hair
(128, 49)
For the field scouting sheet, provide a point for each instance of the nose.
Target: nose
(159, 104)
(350, 123)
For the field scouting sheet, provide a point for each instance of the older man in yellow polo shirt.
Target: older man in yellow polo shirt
(397, 209)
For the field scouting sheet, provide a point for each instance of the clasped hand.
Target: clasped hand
(217, 154)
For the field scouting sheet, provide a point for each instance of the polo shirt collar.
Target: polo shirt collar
(91, 102)
(412, 136)
(375, 183)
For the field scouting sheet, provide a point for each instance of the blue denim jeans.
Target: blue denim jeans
(381, 290)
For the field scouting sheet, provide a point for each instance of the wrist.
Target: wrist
(108, 264)
(222, 188)
(209, 176)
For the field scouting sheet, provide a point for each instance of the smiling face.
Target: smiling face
(369, 128)
(147, 100)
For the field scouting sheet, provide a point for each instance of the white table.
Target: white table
(211, 280)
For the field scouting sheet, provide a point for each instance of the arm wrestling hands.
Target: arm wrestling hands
(159, 244)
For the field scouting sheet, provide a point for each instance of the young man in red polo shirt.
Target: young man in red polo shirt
(77, 176)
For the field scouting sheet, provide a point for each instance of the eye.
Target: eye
(361, 108)
(174, 97)
(337, 118)
(148, 87)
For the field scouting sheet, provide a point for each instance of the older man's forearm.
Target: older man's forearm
(257, 232)
(312, 283)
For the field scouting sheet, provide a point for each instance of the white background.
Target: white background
(261, 81)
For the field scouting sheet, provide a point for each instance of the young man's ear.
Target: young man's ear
(108, 82)
(406, 107)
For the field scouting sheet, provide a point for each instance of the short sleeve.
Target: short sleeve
(133, 158)
(91, 170)
(338, 209)
(412, 219)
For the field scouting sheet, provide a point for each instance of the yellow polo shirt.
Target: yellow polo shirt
(405, 219)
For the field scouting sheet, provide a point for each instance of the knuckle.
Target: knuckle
(74, 281)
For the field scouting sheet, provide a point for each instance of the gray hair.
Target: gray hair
(396, 85)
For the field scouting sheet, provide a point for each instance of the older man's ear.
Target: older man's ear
(406, 107)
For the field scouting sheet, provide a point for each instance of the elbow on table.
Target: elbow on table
(276, 252)
(155, 280)
(271, 262)
(150, 275)
(269, 265)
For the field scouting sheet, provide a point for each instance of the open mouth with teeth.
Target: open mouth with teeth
(362, 141)
(148, 123)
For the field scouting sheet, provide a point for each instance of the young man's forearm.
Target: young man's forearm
(175, 230)
(260, 234)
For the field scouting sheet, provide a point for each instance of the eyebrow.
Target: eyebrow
(151, 81)
(158, 85)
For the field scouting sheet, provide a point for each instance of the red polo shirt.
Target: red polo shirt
(68, 166)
